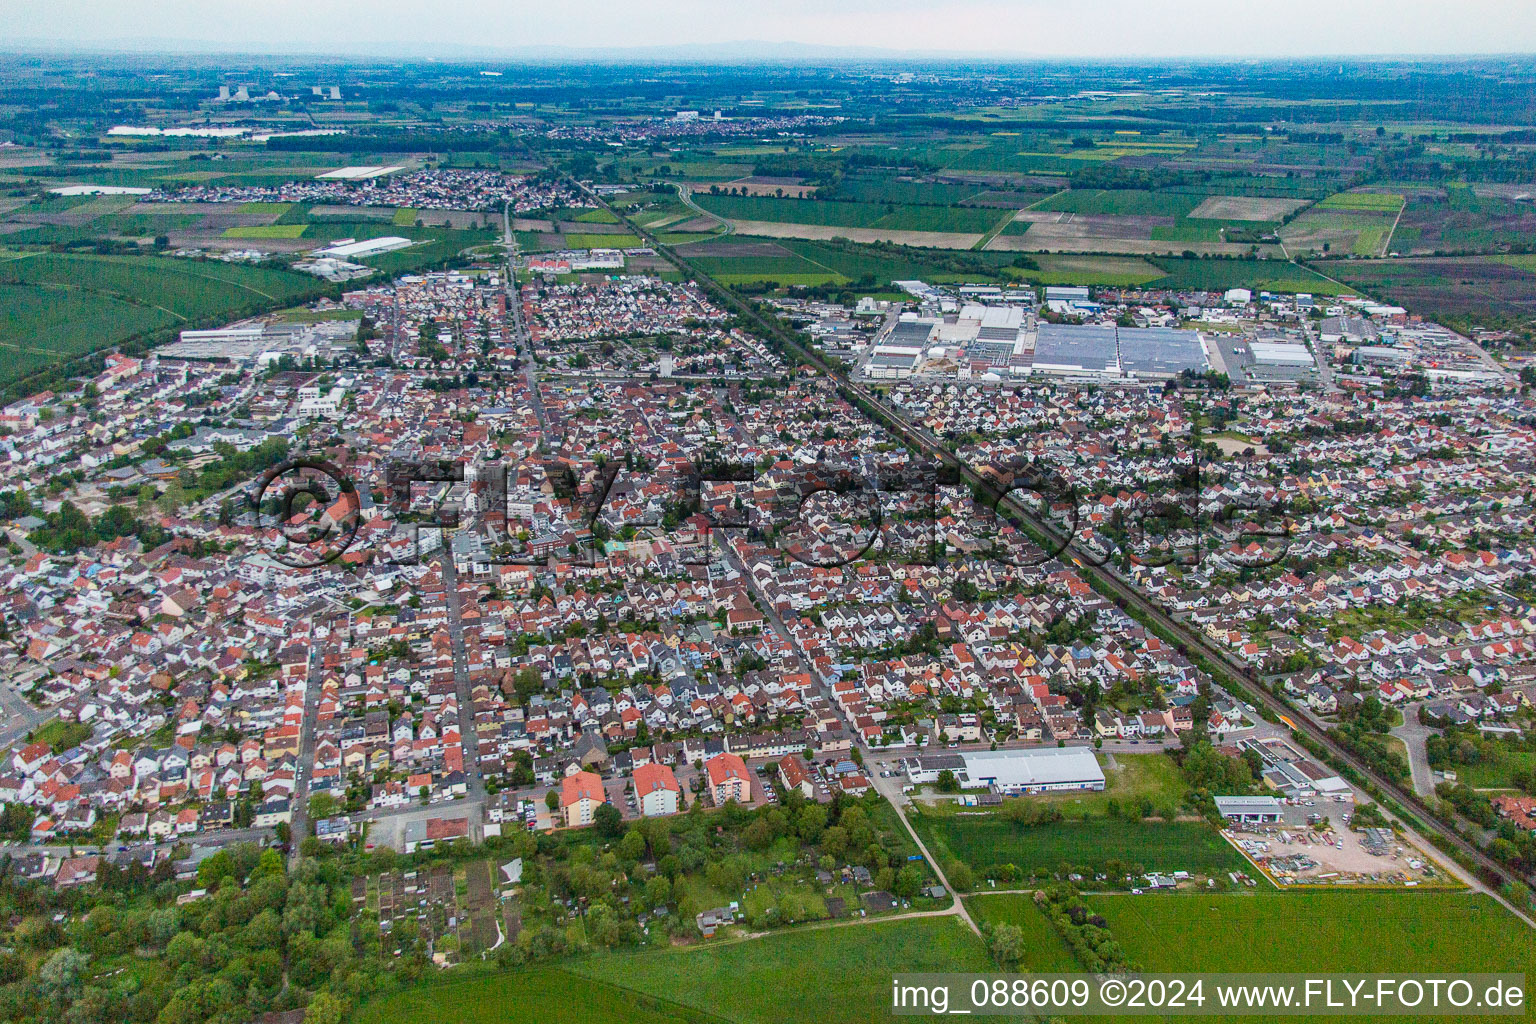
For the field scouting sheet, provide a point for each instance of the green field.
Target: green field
(1340, 931)
(586, 241)
(835, 975)
(1314, 931)
(1389, 202)
(986, 841)
(839, 975)
(55, 306)
(265, 231)
(264, 207)
(891, 216)
(42, 324)
(534, 996)
(1125, 202)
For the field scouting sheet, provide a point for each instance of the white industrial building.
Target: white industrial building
(1012, 772)
(1249, 810)
(349, 248)
(1268, 353)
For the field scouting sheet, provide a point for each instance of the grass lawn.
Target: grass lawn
(1495, 771)
(834, 975)
(62, 735)
(524, 997)
(984, 841)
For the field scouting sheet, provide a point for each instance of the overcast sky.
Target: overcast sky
(1062, 28)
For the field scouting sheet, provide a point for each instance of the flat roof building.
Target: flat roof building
(1013, 772)
(1076, 348)
(1160, 351)
(1249, 810)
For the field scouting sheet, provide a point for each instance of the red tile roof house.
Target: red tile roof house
(656, 790)
(728, 779)
(580, 796)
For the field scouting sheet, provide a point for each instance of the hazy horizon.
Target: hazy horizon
(1188, 29)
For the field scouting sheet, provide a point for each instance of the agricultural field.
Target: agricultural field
(1088, 269)
(1321, 931)
(1332, 230)
(809, 261)
(1122, 203)
(987, 841)
(888, 216)
(266, 231)
(54, 306)
(1463, 218)
(1259, 208)
(594, 241)
(45, 324)
(1446, 287)
(1221, 274)
(1378, 202)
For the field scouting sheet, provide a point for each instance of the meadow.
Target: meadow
(835, 975)
(1316, 931)
(1324, 931)
(533, 996)
(832, 975)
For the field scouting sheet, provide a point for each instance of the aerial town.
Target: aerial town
(498, 541)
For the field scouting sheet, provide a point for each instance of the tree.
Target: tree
(908, 881)
(632, 846)
(608, 820)
(324, 1008)
(948, 783)
(1006, 944)
(552, 800)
